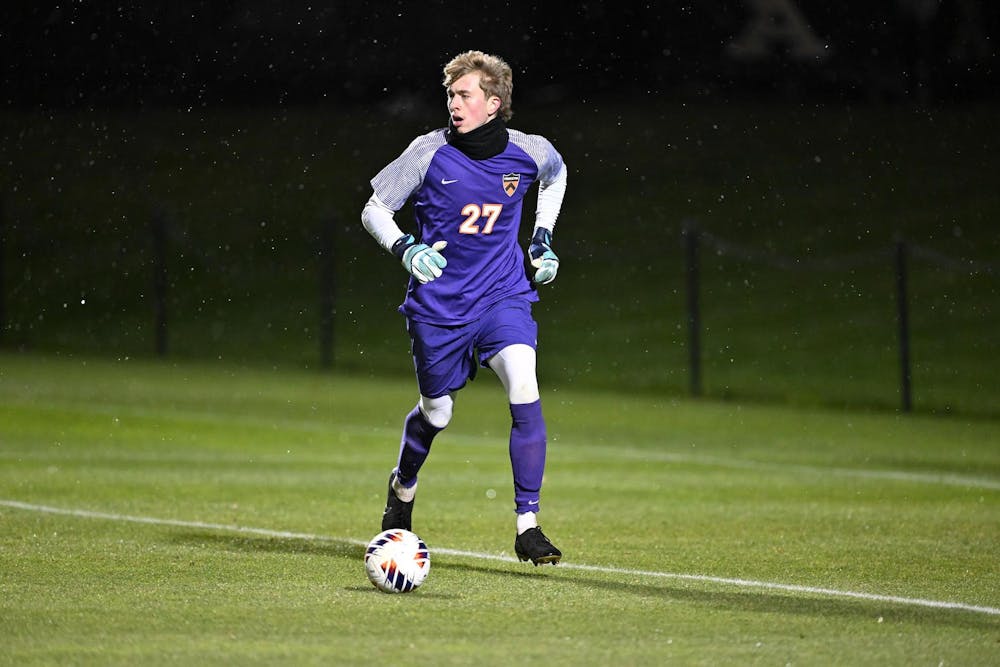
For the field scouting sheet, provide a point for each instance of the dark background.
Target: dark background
(72, 54)
(185, 180)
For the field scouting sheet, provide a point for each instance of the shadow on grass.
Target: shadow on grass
(257, 544)
(290, 545)
(755, 601)
(751, 601)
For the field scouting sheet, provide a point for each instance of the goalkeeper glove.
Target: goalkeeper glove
(424, 262)
(542, 258)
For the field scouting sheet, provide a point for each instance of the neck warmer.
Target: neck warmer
(484, 142)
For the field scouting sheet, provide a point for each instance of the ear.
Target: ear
(493, 105)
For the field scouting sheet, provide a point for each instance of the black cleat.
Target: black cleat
(534, 546)
(397, 514)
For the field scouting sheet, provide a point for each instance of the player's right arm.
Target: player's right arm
(395, 184)
(422, 261)
(379, 219)
(391, 188)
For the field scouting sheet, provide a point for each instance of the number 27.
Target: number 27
(474, 212)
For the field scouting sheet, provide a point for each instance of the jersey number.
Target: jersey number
(474, 212)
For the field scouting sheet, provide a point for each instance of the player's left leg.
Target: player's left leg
(515, 366)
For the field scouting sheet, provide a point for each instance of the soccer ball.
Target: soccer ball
(397, 561)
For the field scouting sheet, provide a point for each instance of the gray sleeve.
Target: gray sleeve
(541, 150)
(400, 178)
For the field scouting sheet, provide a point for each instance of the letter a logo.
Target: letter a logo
(510, 182)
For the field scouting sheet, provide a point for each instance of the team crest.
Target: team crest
(510, 182)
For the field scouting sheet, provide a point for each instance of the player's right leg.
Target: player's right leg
(426, 420)
(443, 359)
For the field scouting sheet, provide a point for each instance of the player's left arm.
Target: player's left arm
(550, 197)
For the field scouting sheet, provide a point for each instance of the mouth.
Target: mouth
(456, 120)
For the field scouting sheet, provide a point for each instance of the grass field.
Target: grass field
(211, 513)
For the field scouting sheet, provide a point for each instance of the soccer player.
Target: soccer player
(468, 302)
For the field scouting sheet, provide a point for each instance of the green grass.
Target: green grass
(848, 500)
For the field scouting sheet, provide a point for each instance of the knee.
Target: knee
(437, 411)
(523, 392)
(515, 365)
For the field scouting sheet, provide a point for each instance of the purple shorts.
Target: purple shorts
(445, 356)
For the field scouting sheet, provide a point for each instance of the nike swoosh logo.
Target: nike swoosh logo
(446, 181)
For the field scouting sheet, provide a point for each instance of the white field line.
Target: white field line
(728, 581)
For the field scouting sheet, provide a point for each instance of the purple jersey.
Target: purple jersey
(474, 205)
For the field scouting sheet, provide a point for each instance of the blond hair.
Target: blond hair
(495, 76)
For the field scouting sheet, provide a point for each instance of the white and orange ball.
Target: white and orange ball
(397, 561)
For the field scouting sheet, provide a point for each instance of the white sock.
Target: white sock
(526, 521)
(404, 493)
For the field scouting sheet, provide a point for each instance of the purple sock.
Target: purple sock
(527, 454)
(418, 434)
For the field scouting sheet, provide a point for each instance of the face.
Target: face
(468, 105)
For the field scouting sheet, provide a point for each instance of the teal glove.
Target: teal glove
(542, 257)
(424, 262)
